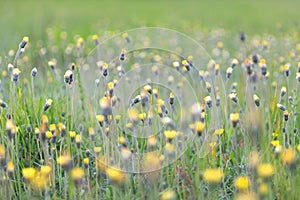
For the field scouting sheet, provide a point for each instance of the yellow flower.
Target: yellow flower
(133, 114)
(39, 182)
(72, 134)
(289, 156)
(152, 140)
(298, 147)
(242, 183)
(115, 174)
(246, 196)
(199, 127)
(219, 131)
(2, 151)
(86, 161)
(168, 195)
(45, 170)
(29, 173)
(169, 147)
(77, 174)
(65, 161)
(234, 117)
(97, 149)
(10, 167)
(263, 188)
(213, 175)
(265, 170)
(48, 135)
(170, 134)
(275, 143)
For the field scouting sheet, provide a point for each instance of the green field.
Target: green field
(97, 102)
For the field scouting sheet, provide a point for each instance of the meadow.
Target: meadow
(149, 100)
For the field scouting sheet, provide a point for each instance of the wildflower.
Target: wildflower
(79, 42)
(65, 162)
(213, 176)
(118, 117)
(45, 170)
(34, 72)
(169, 148)
(242, 36)
(289, 156)
(95, 39)
(265, 170)
(62, 129)
(256, 100)
(186, 65)
(176, 64)
(283, 91)
(69, 77)
(3, 104)
(152, 140)
(37, 132)
(72, 135)
(207, 100)
(219, 131)
(263, 189)
(281, 107)
(2, 152)
(100, 119)
(78, 140)
(234, 118)
(228, 72)
(263, 67)
(217, 69)
(218, 99)
(234, 63)
(15, 74)
(122, 141)
(170, 134)
(208, 86)
(255, 58)
(77, 175)
(24, 42)
(133, 115)
(105, 106)
(148, 88)
(242, 183)
(126, 37)
(286, 69)
(246, 196)
(10, 67)
(233, 97)
(199, 127)
(104, 69)
(48, 135)
(125, 153)
(122, 55)
(86, 162)
(97, 150)
(286, 115)
(10, 167)
(168, 195)
(298, 76)
(142, 116)
(52, 64)
(115, 175)
(171, 98)
(29, 173)
(275, 143)
(47, 104)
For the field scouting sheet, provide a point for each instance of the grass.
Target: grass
(69, 133)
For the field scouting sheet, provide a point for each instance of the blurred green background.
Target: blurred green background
(18, 18)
